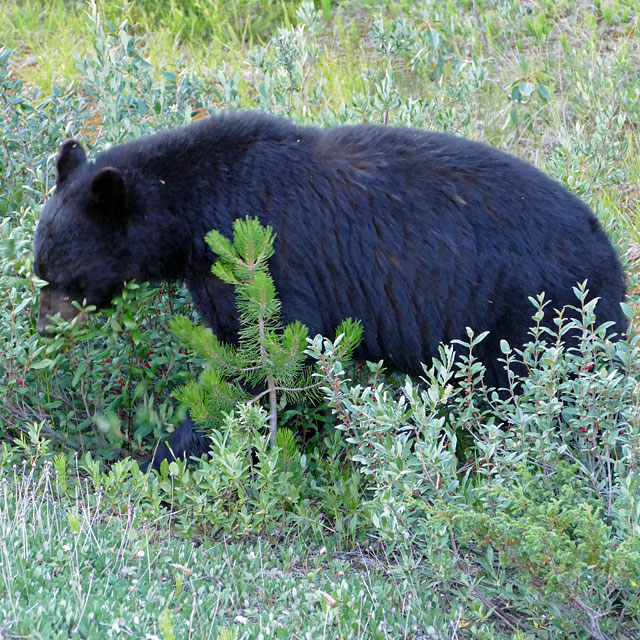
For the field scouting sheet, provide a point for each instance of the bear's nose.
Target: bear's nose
(41, 325)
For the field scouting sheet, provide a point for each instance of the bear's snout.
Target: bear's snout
(52, 302)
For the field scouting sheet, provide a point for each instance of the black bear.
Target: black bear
(418, 234)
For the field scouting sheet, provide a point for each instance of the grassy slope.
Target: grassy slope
(585, 55)
(93, 561)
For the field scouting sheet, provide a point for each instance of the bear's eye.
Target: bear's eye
(68, 288)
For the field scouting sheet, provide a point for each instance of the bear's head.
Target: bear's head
(80, 244)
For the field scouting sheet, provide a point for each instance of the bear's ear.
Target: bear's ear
(109, 194)
(71, 155)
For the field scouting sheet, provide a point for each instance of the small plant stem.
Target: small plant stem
(273, 410)
(271, 386)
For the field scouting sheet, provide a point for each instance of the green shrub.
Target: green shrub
(526, 502)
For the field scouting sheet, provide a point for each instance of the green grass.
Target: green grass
(84, 561)
(51, 32)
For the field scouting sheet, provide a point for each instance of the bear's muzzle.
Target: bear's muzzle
(52, 302)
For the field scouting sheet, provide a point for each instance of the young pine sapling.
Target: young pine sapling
(268, 360)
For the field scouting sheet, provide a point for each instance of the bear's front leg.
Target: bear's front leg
(184, 443)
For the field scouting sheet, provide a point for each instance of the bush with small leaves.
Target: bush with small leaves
(536, 485)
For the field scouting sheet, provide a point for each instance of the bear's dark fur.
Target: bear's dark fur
(417, 234)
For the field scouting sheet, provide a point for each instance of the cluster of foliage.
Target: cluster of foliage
(525, 502)
(512, 514)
